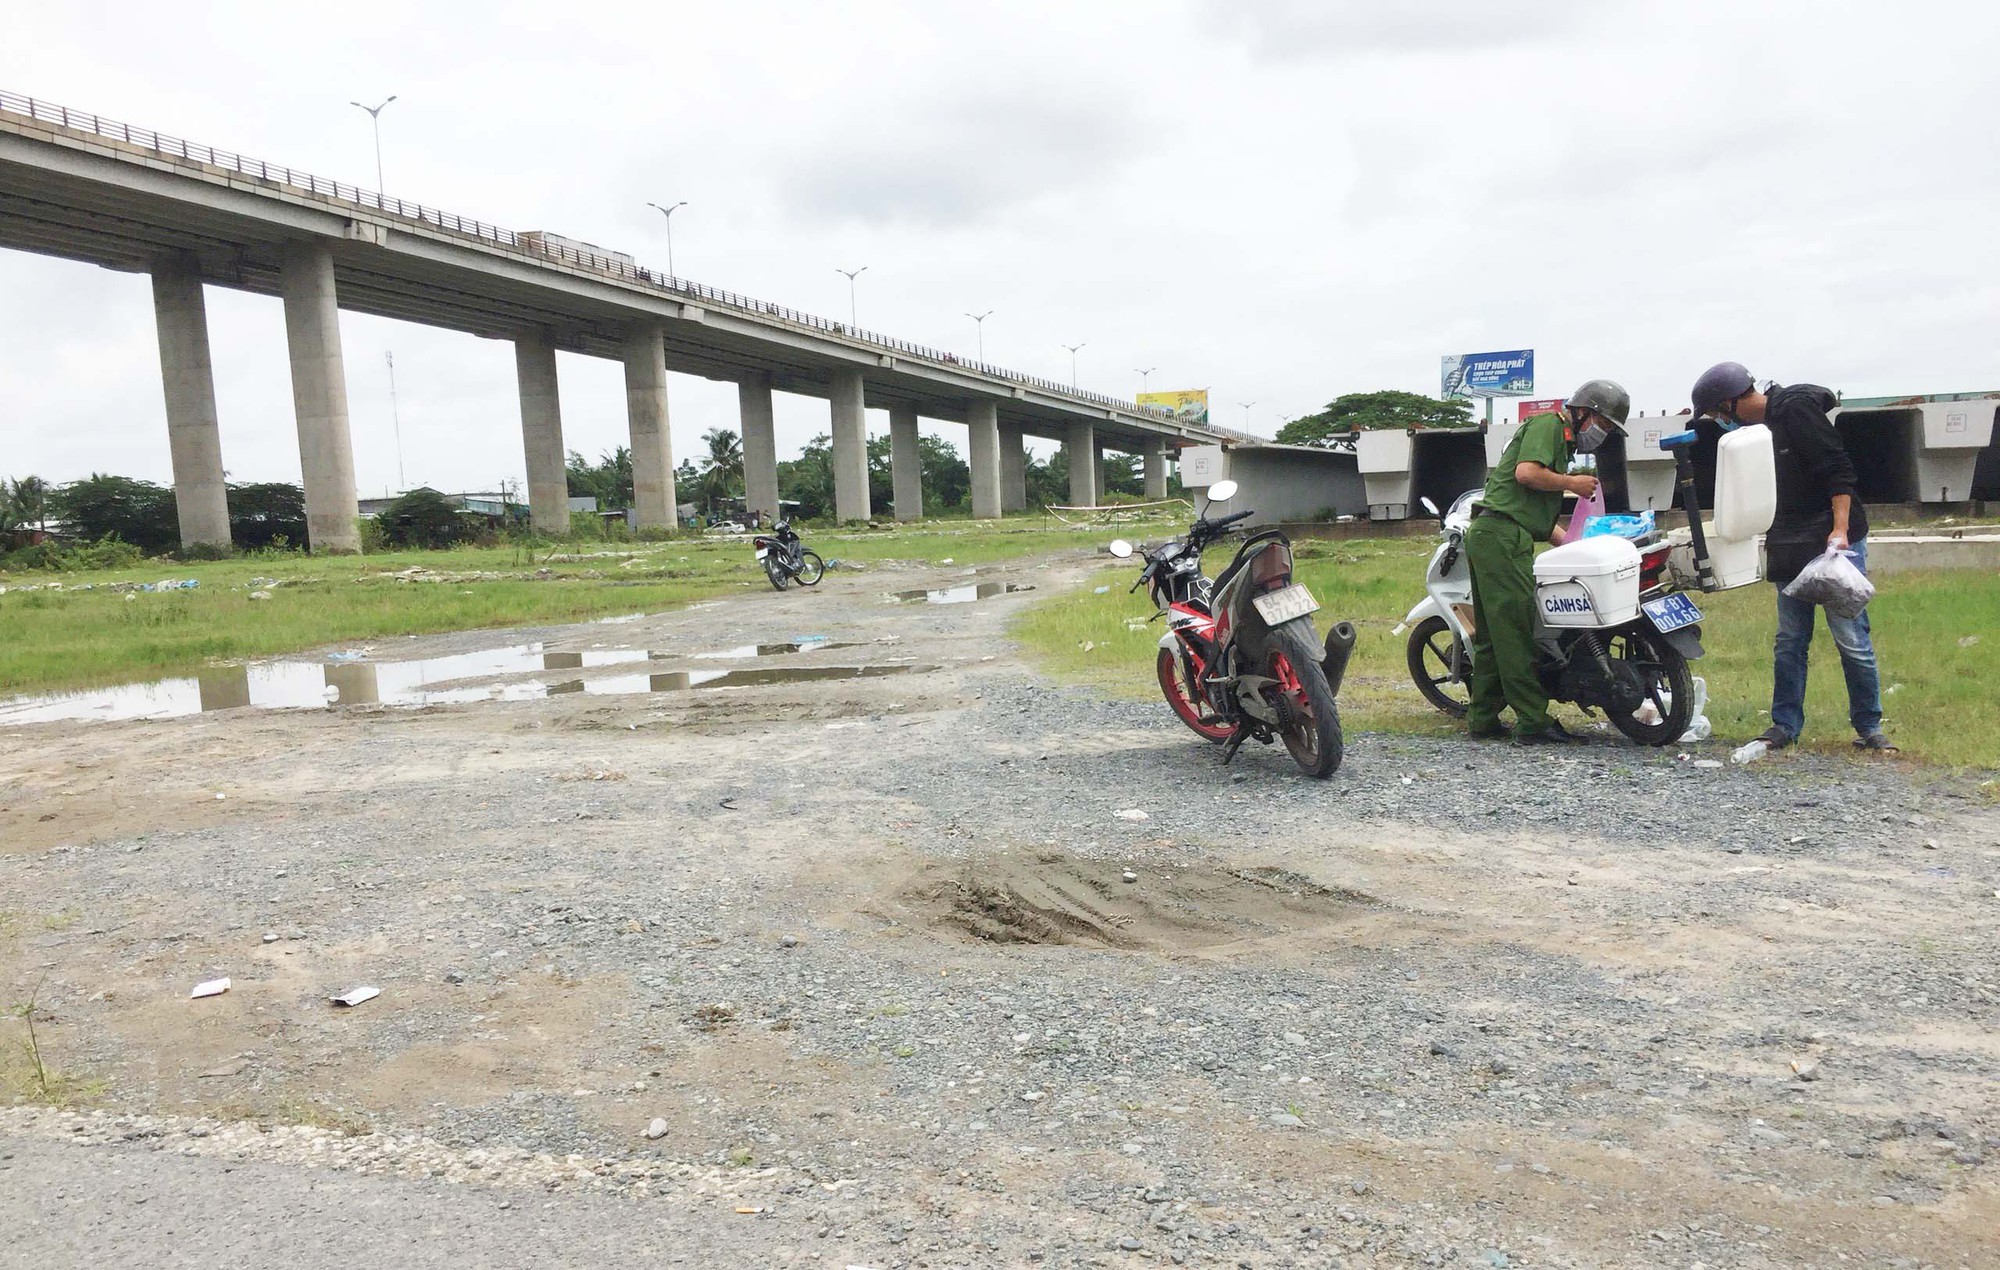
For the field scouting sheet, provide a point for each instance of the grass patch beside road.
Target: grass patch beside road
(1941, 696)
(86, 635)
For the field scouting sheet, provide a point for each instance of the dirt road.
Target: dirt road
(845, 969)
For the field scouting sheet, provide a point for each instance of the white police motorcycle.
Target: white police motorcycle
(1615, 629)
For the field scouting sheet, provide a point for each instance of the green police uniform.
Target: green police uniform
(1500, 548)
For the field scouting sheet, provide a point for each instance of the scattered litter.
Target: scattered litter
(1131, 813)
(1130, 876)
(270, 937)
(1699, 728)
(212, 988)
(219, 797)
(947, 560)
(1805, 1068)
(1103, 590)
(1087, 645)
(728, 804)
(260, 595)
(1036, 1095)
(357, 995)
(171, 584)
(1967, 641)
(230, 1068)
(1409, 780)
(347, 655)
(657, 1130)
(749, 1210)
(1708, 762)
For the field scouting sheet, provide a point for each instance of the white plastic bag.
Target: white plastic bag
(1832, 580)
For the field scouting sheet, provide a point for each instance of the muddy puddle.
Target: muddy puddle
(352, 679)
(967, 594)
(1051, 897)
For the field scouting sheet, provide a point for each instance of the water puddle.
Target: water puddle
(966, 594)
(809, 644)
(349, 679)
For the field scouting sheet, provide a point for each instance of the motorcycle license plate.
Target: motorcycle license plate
(762, 552)
(1671, 612)
(1283, 606)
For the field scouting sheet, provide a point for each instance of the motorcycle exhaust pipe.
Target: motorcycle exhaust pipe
(1339, 647)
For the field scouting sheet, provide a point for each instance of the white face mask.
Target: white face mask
(1590, 436)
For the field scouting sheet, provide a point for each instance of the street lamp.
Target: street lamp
(1072, 364)
(375, 116)
(852, 274)
(668, 212)
(1246, 413)
(979, 322)
(1142, 374)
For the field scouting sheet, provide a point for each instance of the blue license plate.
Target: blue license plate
(1671, 612)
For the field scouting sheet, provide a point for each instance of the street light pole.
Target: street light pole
(979, 323)
(396, 414)
(1246, 413)
(668, 212)
(852, 274)
(375, 116)
(1072, 364)
(1143, 374)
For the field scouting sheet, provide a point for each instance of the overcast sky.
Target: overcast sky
(1278, 201)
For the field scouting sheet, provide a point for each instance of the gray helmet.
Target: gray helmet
(1606, 398)
(1724, 381)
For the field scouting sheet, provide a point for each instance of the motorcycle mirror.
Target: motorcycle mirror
(1121, 548)
(1429, 506)
(1222, 491)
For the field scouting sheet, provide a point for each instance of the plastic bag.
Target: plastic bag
(1585, 509)
(1634, 526)
(1833, 581)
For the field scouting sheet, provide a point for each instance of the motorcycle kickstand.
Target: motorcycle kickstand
(1233, 744)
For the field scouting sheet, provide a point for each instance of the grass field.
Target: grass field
(70, 631)
(1937, 636)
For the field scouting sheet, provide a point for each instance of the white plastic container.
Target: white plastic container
(1593, 582)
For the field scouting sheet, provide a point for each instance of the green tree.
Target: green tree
(137, 512)
(261, 514)
(947, 478)
(808, 479)
(721, 468)
(424, 518)
(26, 501)
(1363, 411)
(609, 480)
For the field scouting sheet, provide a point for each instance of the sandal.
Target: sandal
(1878, 742)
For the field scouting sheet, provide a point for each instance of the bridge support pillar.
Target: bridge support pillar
(1156, 469)
(983, 453)
(760, 446)
(541, 433)
(1080, 448)
(1013, 469)
(850, 447)
(646, 415)
(200, 490)
(906, 462)
(319, 398)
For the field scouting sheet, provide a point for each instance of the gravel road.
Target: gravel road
(945, 966)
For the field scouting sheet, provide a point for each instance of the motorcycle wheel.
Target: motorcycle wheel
(1311, 729)
(1191, 706)
(779, 575)
(1668, 685)
(811, 568)
(1433, 651)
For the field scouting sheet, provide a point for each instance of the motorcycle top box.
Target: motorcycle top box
(1593, 582)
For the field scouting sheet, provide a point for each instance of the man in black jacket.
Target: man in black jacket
(1818, 510)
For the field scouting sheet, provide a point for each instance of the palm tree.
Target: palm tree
(722, 466)
(26, 502)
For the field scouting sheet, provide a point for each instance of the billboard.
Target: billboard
(1504, 374)
(1188, 405)
(1529, 409)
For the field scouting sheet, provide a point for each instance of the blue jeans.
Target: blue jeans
(1857, 663)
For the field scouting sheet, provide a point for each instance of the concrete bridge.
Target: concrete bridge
(79, 186)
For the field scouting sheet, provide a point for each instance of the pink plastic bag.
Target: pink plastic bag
(1585, 509)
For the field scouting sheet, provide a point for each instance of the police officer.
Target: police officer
(1524, 495)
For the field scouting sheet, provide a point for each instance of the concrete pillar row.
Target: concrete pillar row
(646, 415)
(760, 445)
(906, 463)
(983, 452)
(1013, 469)
(1156, 468)
(193, 435)
(319, 398)
(541, 432)
(1080, 448)
(850, 447)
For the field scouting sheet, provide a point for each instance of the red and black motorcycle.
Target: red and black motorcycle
(1240, 658)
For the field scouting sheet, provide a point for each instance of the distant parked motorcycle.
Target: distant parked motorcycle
(1240, 657)
(785, 558)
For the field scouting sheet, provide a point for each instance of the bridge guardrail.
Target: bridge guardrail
(371, 200)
